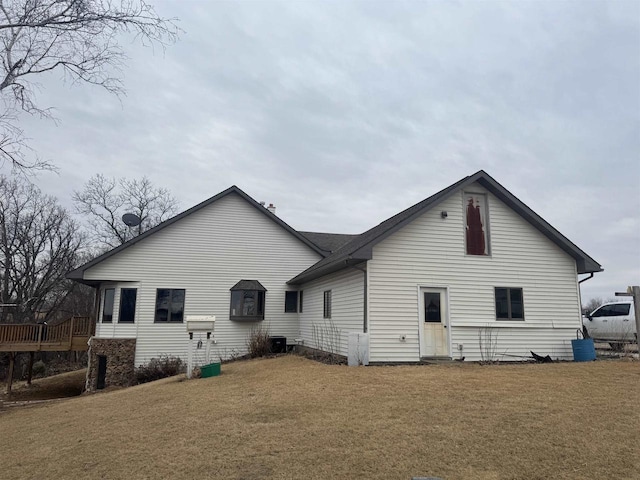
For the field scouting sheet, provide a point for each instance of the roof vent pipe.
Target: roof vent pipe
(272, 208)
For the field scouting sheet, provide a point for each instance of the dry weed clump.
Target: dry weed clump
(258, 342)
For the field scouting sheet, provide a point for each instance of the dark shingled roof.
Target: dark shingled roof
(248, 285)
(360, 248)
(329, 242)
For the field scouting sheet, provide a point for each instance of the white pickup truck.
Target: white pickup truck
(614, 323)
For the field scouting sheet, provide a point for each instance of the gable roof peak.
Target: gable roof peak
(78, 273)
(360, 249)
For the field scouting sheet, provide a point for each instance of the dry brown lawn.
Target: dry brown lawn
(292, 418)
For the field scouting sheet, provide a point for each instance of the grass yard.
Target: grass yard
(292, 418)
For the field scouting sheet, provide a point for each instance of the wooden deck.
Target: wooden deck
(69, 335)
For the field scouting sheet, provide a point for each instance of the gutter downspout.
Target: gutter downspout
(364, 291)
(585, 279)
(580, 294)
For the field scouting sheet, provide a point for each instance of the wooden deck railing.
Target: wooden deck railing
(27, 337)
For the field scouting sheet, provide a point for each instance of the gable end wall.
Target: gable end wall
(206, 253)
(430, 251)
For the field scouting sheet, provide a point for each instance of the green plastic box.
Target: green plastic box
(211, 370)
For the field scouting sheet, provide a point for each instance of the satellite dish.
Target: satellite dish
(131, 220)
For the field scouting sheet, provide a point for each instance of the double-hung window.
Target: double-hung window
(509, 303)
(169, 305)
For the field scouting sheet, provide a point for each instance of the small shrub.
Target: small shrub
(258, 343)
(39, 368)
(157, 368)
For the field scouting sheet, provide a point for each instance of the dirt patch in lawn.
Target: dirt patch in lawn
(64, 385)
(290, 418)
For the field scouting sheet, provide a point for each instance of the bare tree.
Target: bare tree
(104, 200)
(591, 305)
(80, 302)
(78, 37)
(39, 244)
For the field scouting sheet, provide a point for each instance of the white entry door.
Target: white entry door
(434, 320)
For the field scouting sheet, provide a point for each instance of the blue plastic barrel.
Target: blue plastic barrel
(583, 349)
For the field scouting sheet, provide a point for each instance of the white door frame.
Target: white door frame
(446, 320)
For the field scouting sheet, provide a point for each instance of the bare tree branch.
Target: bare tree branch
(104, 200)
(13, 145)
(78, 37)
(39, 243)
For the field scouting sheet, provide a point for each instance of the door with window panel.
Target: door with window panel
(434, 321)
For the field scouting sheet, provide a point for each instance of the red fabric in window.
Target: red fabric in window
(475, 232)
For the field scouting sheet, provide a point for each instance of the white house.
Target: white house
(469, 272)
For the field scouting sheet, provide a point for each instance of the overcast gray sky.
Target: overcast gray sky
(344, 113)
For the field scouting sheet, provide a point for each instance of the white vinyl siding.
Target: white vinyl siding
(206, 253)
(347, 307)
(430, 252)
(514, 343)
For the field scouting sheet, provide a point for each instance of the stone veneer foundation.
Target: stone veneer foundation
(120, 353)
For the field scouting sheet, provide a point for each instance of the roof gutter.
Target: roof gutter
(305, 277)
